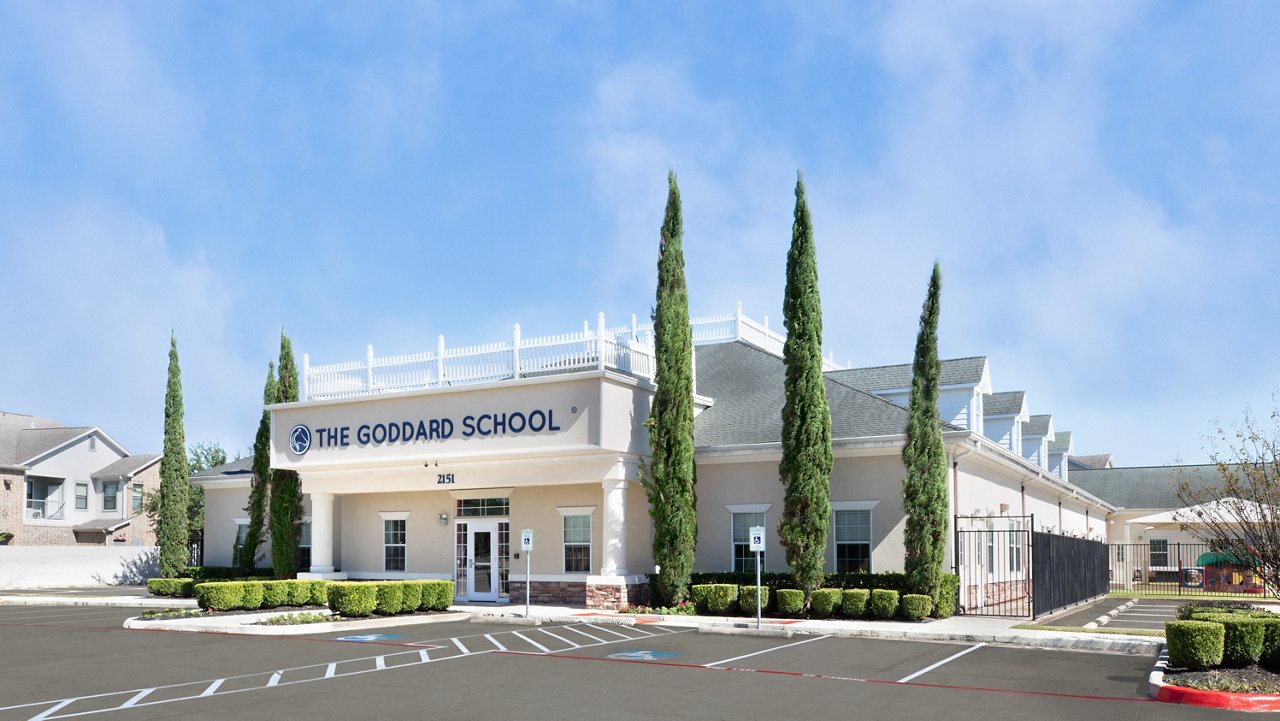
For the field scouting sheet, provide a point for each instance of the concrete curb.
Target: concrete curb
(506, 620)
(1105, 618)
(1168, 693)
(1133, 646)
(108, 601)
(242, 625)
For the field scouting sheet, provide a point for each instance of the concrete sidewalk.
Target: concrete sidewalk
(957, 629)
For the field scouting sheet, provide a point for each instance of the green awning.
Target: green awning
(1213, 558)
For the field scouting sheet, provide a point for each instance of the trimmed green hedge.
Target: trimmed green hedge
(223, 573)
(884, 603)
(353, 598)
(916, 606)
(790, 601)
(747, 599)
(1270, 642)
(853, 602)
(714, 598)
(251, 596)
(436, 595)
(1242, 639)
(1212, 606)
(823, 602)
(275, 594)
(773, 579)
(177, 587)
(1197, 645)
(223, 596)
(390, 598)
(948, 596)
(411, 596)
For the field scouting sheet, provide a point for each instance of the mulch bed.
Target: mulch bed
(1253, 679)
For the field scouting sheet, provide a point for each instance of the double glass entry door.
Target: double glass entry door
(480, 560)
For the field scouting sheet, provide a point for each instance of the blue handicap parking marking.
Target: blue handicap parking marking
(644, 655)
(365, 638)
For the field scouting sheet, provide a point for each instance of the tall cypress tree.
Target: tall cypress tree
(670, 476)
(805, 469)
(286, 492)
(171, 531)
(260, 484)
(924, 488)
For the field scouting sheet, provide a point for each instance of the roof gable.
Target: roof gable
(1005, 403)
(955, 372)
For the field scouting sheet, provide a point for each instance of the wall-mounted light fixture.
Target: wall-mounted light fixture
(444, 519)
(8, 484)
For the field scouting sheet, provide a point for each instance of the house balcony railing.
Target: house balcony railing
(628, 349)
(43, 509)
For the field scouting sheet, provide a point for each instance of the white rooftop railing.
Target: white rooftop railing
(628, 349)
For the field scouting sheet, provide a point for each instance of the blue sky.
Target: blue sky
(1099, 181)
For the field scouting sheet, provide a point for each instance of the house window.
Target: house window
(304, 546)
(1015, 546)
(109, 491)
(577, 543)
(1159, 553)
(82, 496)
(744, 559)
(137, 497)
(237, 546)
(1119, 553)
(852, 533)
(393, 544)
(483, 507)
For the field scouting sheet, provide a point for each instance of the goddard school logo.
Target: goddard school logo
(300, 439)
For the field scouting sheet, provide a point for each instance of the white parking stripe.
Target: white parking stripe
(495, 642)
(458, 642)
(767, 650)
(275, 678)
(421, 654)
(561, 638)
(616, 633)
(948, 659)
(640, 631)
(213, 687)
(53, 709)
(137, 697)
(577, 630)
(532, 642)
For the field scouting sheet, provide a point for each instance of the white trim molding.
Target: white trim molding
(853, 505)
(393, 515)
(471, 494)
(748, 507)
(576, 510)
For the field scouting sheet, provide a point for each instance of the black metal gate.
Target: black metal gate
(993, 561)
(1066, 571)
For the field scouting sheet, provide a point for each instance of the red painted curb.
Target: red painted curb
(1218, 699)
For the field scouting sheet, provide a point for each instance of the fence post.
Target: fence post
(1178, 547)
(737, 328)
(439, 361)
(368, 369)
(306, 371)
(600, 341)
(515, 352)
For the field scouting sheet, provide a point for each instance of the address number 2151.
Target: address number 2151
(444, 478)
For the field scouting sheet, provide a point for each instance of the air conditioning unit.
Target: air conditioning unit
(37, 514)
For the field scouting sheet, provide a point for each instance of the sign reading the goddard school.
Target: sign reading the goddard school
(304, 438)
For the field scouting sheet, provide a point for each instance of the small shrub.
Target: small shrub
(348, 598)
(390, 598)
(948, 596)
(719, 598)
(1196, 645)
(411, 596)
(824, 601)
(1270, 643)
(853, 602)
(884, 603)
(916, 606)
(219, 596)
(436, 595)
(299, 592)
(174, 587)
(1214, 606)
(790, 601)
(1242, 639)
(294, 619)
(747, 599)
(319, 593)
(275, 594)
(252, 595)
(698, 594)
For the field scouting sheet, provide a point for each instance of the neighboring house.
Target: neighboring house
(429, 465)
(64, 485)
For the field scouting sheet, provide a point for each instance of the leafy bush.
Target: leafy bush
(948, 596)
(222, 573)
(219, 596)
(884, 603)
(824, 601)
(892, 580)
(1185, 610)
(790, 601)
(299, 592)
(350, 598)
(293, 619)
(436, 595)
(179, 587)
(411, 596)
(916, 606)
(715, 598)
(853, 602)
(1196, 645)
(698, 594)
(1242, 639)
(319, 593)
(251, 597)
(1270, 642)
(747, 599)
(275, 594)
(390, 598)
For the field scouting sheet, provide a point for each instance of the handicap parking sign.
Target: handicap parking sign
(366, 638)
(644, 655)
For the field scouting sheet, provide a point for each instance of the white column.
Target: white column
(614, 530)
(322, 533)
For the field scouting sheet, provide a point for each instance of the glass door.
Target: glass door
(482, 580)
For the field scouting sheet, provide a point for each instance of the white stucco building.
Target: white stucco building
(430, 465)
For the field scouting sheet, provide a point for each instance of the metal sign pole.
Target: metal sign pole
(526, 582)
(757, 590)
(526, 546)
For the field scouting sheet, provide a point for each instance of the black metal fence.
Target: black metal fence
(993, 561)
(1066, 571)
(1161, 568)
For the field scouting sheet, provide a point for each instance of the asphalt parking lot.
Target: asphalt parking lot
(1146, 614)
(77, 662)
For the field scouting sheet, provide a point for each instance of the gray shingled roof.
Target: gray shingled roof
(1037, 426)
(1061, 442)
(955, 371)
(126, 466)
(1142, 487)
(746, 384)
(23, 437)
(1005, 403)
(1097, 460)
(238, 468)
